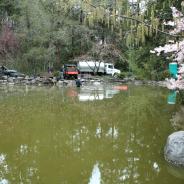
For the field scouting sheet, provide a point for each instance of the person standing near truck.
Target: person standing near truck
(62, 73)
(78, 82)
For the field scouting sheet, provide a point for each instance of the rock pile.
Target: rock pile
(37, 81)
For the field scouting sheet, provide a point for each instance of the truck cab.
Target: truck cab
(110, 70)
(70, 71)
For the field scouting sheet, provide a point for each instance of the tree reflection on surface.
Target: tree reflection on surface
(96, 175)
(47, 137)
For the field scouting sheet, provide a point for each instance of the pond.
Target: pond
(93, 135)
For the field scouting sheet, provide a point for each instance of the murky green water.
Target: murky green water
(86, 136)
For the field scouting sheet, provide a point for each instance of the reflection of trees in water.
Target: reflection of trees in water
(20, 167)
(178, 119)
(61, 142)
(180, 97)
(126, 162)
(4, 170)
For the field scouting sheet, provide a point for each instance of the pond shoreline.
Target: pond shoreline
(49, 81)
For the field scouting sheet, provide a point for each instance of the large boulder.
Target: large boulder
(174, 149)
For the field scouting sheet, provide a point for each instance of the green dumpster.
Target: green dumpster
(173, 69)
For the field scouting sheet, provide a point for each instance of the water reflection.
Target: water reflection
(176, 172)
(171, 99)
(45, 139)
(91, 93)
(96, 175)
(23, 149)
(112, 132)
(4, 170)
(177, 119)
(85, 93)
(156, 167)
(4, 181)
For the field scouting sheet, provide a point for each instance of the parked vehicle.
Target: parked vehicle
(91, 67)
(70, 71)
(110, 70)
(97, 67)
(11, 73)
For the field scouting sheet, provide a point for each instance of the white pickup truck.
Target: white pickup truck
(97, 67)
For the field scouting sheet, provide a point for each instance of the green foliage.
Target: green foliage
(145, 65)
(8, 7)
(36, 59)
(52, 32)
(123, 75)
(49, 34)
(122, 64)
(56, 73)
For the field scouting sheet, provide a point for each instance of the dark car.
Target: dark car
(11, 73)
